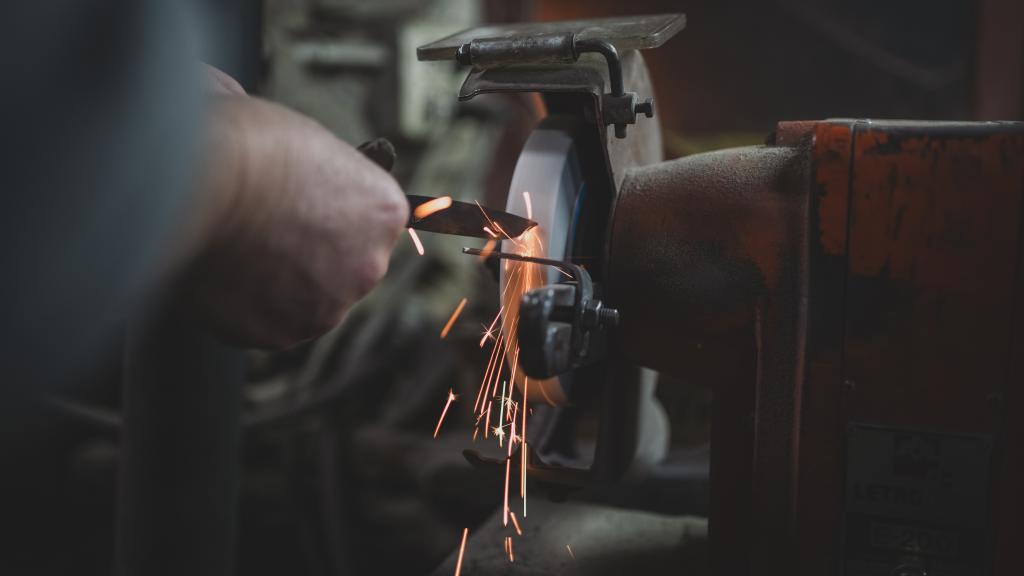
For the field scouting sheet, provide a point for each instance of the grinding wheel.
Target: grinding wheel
(547, 187)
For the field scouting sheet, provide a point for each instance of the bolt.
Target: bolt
(646, 108)
(608, 317)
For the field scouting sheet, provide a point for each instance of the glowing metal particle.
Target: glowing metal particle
(544, 393)
(501, 410)
(462, 551)
(567, 547)
(454, 316)
(515, 523)
(416, 241)
(508, 470)
(490, 329)
(522, 479)
(501, 230)
(431, 206)
(451, 398)
(485, 384)
(522, 482)
(485, 252)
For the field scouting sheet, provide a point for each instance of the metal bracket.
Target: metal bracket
(562, 43)
(618, 107)
(561, 326)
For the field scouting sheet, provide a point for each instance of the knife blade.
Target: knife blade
(466, 219)
(455, 218)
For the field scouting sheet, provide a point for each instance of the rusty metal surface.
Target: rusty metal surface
(820, 430)
(707, 265)
(918, 239)
(626, 33)
(856, 272)
(696, 242)
(935, 214)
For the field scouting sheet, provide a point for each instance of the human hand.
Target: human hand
(297, 226)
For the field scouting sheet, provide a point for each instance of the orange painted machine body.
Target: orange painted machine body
(853, 294)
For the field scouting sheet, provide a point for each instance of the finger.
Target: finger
(220, 82)
(381, 151)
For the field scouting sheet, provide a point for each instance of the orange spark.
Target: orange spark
(570, 551)
(485, 252)
(487, 424)
(462, 551)
(451, 398)
(529, 205)
(484, 212)
(486, 382)
(491, 232)
(508, 470)
(501, 410)
(524, 450)
(416, 241)
(501, 366)
(521, 278)
(490, 329)
(455, 315)
(431, 206)
(515, 365)
(515, 523)
(544, 393)
(508, 549)
(501, 230)
(522, 482)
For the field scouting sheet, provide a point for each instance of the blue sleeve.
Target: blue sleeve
(99, 117)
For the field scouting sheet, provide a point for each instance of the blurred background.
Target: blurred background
(340, 474)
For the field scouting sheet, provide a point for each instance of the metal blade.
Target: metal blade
(467, 219)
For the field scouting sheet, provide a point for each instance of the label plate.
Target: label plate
(916, 503)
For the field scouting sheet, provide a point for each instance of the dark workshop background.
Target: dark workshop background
(350, 483)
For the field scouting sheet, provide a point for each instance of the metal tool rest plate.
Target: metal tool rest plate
(625, 33)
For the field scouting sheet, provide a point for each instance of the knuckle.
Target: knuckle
(395, 208)
(372, 270)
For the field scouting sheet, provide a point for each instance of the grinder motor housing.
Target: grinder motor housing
(851, 291)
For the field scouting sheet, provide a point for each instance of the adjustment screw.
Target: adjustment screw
(646, 107)
(608, 317)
